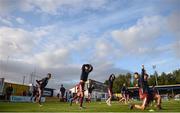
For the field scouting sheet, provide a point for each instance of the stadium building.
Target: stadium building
(21, 90)
(98, 94)
(166, 91)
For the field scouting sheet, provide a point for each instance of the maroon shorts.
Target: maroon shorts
(142, 94)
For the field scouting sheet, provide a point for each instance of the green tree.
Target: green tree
(163, 79)
(152, 80)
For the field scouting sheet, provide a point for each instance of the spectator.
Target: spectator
(9, 91)
(69, 96)
(24, 93)
(62, 90)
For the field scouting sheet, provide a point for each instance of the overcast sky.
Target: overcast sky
(115, 36)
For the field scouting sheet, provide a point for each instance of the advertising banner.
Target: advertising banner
(24, 99)
(1, 85)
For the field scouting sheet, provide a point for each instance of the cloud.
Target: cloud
(142, 38)
(141, 35)
(68, 74)
(77, 32)
(5, 21)
(69, 6)
(20, 20)
(14, 71)
(53, 59)
(50, 6)
(174, 26)
(173, 23)
(15, 41)
(55, 55)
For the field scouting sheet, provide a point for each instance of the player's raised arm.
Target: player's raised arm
(110, 77)
(113, 77)
(143, 72)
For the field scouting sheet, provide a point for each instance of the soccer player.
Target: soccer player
(156, 97)
(152, 95)
(86, 69)
(144, 92)
(143, 89)
(124, 93)
(90, 89)
(110, 86)
(41, 85)
(34, 93)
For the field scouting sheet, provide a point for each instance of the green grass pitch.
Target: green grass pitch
(168, 106)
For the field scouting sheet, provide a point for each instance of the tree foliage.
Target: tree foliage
(163, 79)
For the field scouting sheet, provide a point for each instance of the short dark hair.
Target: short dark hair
(136, 73)
(146, 75)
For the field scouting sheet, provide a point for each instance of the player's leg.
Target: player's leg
(107, 101)
(122, 99)
(32, 97)
(89, 97)
(142, 107)
(74, 98)
(125, 97)
(81, 99)
(158, 101)
(36, 96)
(82, 93)
(40, 95)
(110, 97)
(144, 103)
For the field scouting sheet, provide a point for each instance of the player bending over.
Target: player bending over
(110, 86)
(86, 69)
(41, 85)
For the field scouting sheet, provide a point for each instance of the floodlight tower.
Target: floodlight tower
(155, 74)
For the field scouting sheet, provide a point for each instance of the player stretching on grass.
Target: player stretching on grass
(110, 86)
(144, 91)
(143, 94)
(86, 69)
(125, 94)
(41, 85)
